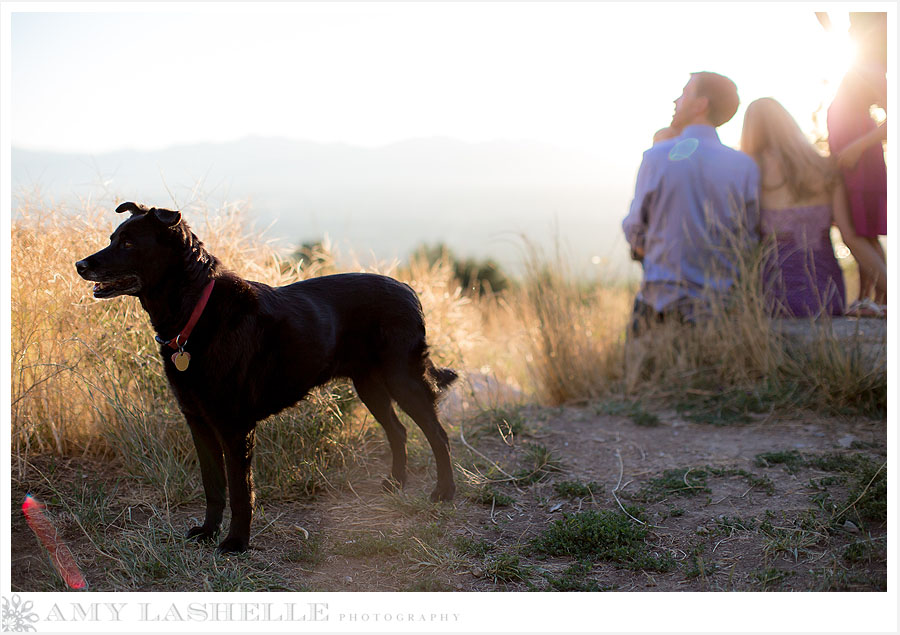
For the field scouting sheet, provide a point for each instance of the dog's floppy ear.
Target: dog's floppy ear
(167, 217)
(134, 208)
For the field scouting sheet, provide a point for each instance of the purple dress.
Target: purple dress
(801, 277)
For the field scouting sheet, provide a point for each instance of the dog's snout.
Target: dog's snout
(81, 266)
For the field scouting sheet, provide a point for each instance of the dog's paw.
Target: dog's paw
(233, 544)
(391, 485)
(443, 493)
(202, 534)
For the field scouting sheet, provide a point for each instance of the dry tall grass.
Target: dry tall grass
(576, 331)
(579, 349)
(86, 375)
(71, 357)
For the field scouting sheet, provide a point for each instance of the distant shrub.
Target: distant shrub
(475, 276)
(311, 257)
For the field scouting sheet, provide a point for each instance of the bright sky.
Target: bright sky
(597, 76)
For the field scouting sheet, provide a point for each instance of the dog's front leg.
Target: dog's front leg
(212, 471)
(238, 459)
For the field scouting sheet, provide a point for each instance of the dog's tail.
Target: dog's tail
(442, 377)
(438, 378)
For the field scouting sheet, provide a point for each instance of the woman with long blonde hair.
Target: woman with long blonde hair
(801, 195)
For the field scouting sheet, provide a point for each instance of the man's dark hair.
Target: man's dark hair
(721, 93)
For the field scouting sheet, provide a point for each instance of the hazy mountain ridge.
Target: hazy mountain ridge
(383, 200)
(433, 161)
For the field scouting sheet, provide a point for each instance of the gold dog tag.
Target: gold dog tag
(181, 360)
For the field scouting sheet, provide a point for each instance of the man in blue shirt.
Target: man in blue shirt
(696, 203)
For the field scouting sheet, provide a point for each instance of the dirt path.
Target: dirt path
(763, 505)
(713, 533)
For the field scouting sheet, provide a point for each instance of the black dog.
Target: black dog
(236, 352)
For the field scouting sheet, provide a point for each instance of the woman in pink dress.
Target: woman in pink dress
(801, 194)
(855, 141)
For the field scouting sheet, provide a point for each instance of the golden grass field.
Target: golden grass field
(79, 364)
(88, 388)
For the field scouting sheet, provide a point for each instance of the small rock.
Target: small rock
(847, 441)
(348, 579)
(702, 530)
(849, 526)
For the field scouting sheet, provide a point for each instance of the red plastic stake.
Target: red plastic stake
(59, 553)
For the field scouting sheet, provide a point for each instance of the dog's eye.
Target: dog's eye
(127, 244)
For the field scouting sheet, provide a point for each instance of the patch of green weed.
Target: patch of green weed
(676, 482)
(364, 545)
(837, 462)
(824, 482)
(699, 567)
(469, 547)
(538, 463)
(725, 407)
(864, 552)
(506, 567)
(310, 551)
(573, 579)
(428, 585)
(770, 578)
(839, 579)
(730, 525)
(762, 483)
(631, 409)
(508, 422)
(691, 481)
(487, 495)
(601, 535)
(155, 556)
(796, 537)
(867, 497)
(576, 489)
(672, 512)
(790, 459)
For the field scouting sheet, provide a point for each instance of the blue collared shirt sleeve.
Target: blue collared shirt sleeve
(635, 224)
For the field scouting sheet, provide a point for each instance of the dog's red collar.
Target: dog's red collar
(181, 339)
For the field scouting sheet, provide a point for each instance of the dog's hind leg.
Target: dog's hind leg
(416, 397)
(238, 459)
(374, 394)
(212, 471)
